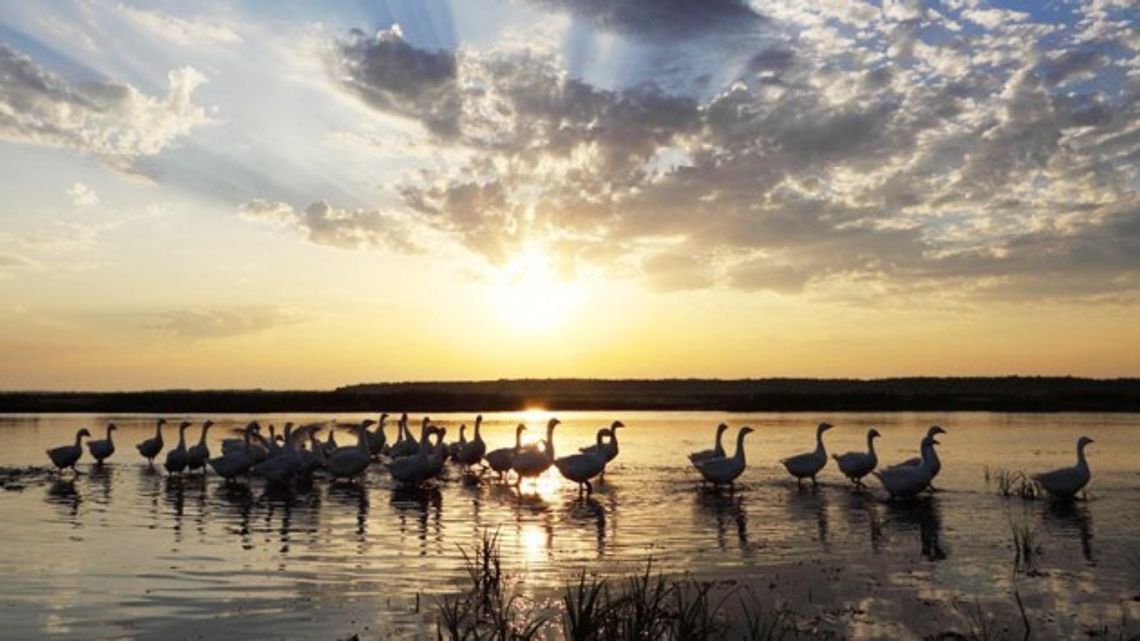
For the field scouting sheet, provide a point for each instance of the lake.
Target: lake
(127, 553)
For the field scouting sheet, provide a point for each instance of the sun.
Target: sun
(529, 294)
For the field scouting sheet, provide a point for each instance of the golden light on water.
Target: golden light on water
(530, 295)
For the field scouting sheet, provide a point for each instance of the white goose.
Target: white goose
(473, 451)
(102, 450)
(856, 465)
(904, 481)
(531, 462)
(725, 469)
(350, 462)
(437, 453)
(280, 469)
(68, 455)
(378, 439)
(584, 466)
(456, 447)
(807, 465)
(234, 463)
(406, 445)
(502, 459)
(609, 450)
(413, 468)
(1064, 483)
(152, 446)
(936, 464)
(716, 452)
(177, 458)
(197, 455)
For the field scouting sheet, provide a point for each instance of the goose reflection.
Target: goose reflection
(809, 504)
(1072, 518)
(350, 494)
(64, 494)
(239, 497)
(861, 509)
(281, 500)
(924, 515)
(589, 509)
(175, 495)
(101, 477)
(424, 505)
(728, 511)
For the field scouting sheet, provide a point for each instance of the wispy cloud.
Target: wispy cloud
(113, 121)
(323, 224)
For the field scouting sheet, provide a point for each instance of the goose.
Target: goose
(280, 469)
(437, 453)
(378, 440)
(502, 459)
(588, 463)
(177, 458)
(456, 447)
(903, 481)
(234, 463)
(68, 455)
(725, 469)
(856, 465)
(313, 458)
(473, 451)
(531, 462)
(152, 446)
(609, 450)
(408, 445)
(936, 465)
(197, 455)
(716, 452)
(102, 450)
(413, 468)
(807, 465)
(350, 462)
(1064, 483)
(273, 446)
(259, 446)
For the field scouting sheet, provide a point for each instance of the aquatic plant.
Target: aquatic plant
(1016, 485)
(1026, 550)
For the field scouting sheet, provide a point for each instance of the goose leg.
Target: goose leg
(589, 488)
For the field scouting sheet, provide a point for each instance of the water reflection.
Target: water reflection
(861, 509)
(1072, 517)
(807, 504)
(727, 510)
(62, 492)
(175, 495)
(924, 515)
(589, 509)
(240, 499)
(101, 478)
(424, 506)
(353, 494)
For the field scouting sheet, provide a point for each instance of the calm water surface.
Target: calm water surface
(126, 553)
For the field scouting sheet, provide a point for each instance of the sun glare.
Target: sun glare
(530, 296)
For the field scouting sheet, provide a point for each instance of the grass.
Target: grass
(1015, 485)
(1026, 550)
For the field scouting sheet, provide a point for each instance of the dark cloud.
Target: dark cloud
(662, 19)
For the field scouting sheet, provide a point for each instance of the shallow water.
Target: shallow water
(128, 553)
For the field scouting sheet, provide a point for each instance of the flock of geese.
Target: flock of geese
(297, 454)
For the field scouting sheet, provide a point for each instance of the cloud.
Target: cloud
(218, 322)
(113, 121)
(909, 155)
(180, 30)
(344, 228)
(82, 195)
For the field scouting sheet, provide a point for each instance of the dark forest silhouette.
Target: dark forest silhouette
(1012, 393)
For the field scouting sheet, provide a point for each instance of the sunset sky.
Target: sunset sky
(215, 194)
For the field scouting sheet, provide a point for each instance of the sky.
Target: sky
(203, 194)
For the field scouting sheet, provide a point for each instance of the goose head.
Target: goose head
(207, 425)
(551, 424)
(823, 427)
(934, 431)
(367, 423)
(253, 428)
(721, 429)
(873, 433)
(81, 433)
(184, 424)
(383, 416)
(1083, 441)
(111, 427)
(748, 430)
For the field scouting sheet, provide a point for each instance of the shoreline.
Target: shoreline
(925, 394)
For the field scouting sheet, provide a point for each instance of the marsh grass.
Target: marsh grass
(1015, 485)
(1026, 550)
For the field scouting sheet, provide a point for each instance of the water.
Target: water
(125, 553)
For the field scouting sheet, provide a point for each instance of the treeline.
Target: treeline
(1010, 394)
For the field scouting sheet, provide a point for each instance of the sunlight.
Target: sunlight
(529, 294)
